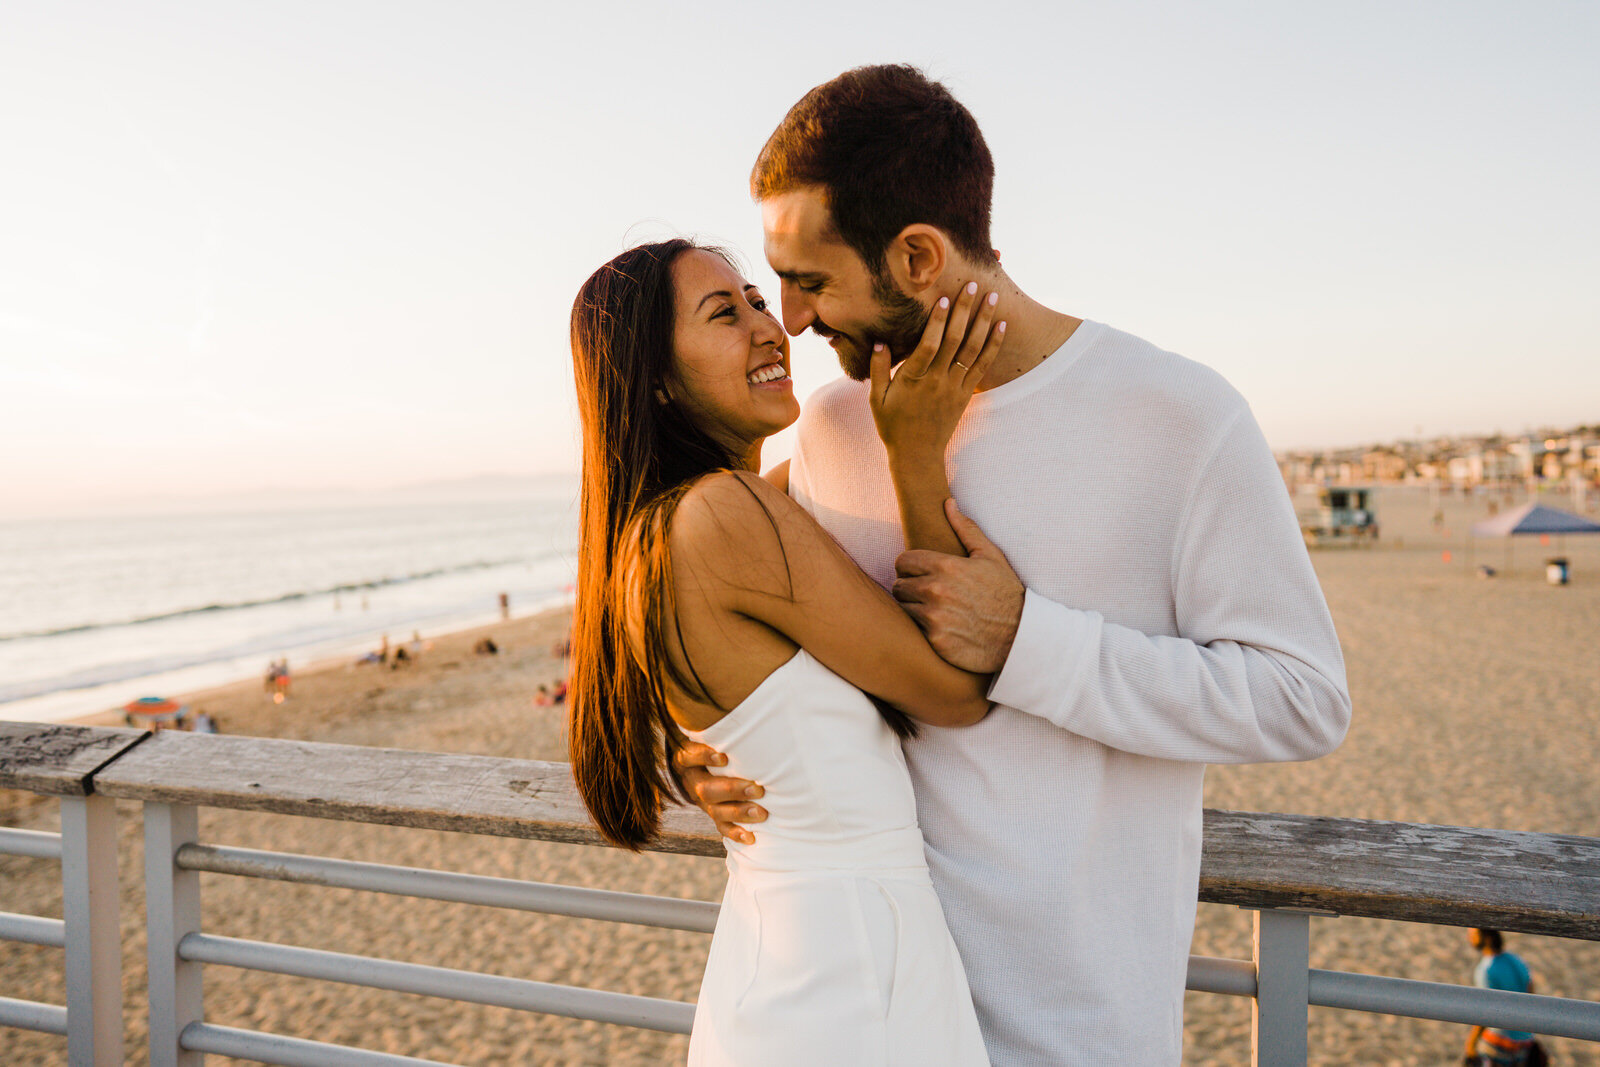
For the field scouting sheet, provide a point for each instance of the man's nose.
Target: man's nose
(797, 313)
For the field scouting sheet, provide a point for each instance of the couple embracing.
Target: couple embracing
(972, 650)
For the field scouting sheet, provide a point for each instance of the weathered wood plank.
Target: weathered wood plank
(55, 759)
(1448, 875)
(1529, 883)
(432, 790)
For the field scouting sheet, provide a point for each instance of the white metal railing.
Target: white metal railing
(86, 849)
(1250, 861)
(696, 916)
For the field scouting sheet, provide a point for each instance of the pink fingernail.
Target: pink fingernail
(877, 347)
(972, 287)
(944, 301)
(994, 298)
(1000, 328)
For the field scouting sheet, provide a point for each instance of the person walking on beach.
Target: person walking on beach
(1488, 1046)
(1130, 570)
(711, 607)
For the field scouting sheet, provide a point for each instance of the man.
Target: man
(1162, 613)
(1498, 969)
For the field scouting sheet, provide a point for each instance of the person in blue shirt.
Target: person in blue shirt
(1498, 969)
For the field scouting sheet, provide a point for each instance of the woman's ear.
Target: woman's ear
(918, 256)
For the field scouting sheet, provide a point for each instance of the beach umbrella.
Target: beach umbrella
(1533, 519)
(151, 710)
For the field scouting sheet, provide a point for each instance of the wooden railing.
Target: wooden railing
(1284, 867)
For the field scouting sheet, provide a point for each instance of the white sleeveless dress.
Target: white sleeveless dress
(831, 949)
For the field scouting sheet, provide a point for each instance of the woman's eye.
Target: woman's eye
(725, 312)
(759, 304)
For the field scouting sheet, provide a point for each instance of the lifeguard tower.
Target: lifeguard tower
(1337, 515)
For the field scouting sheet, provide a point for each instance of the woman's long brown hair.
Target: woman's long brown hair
(636, 449)
(640, 455)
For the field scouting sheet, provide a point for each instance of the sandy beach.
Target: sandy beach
(1476, 701)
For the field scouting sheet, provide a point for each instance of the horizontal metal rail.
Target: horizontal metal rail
(1213, 974)
(287, 1051)
(1381, 995)
(35, 843)
(697, 916)
(33, 930)
(648, 1013)
(1413, 999)
(31, 1015)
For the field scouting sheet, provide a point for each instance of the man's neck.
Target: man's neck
(1033, 331)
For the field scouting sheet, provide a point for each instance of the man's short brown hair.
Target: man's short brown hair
(890, 148)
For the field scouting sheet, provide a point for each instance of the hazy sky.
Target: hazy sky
(335, 243)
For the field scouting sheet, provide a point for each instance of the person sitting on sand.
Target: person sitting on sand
(541, 697)
(711, 606)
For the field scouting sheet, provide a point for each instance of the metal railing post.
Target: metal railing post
(172, 909)
(91, 912)
(1283, 981)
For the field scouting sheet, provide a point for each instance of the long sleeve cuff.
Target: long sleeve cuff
(1054, 648)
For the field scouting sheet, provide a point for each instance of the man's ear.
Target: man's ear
(918, 256)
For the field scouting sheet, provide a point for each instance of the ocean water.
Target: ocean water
(95, 612)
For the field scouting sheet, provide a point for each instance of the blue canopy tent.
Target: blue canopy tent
(1532, 519)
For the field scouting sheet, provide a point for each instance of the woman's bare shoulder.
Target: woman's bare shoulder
(726, 504)
(729, 518)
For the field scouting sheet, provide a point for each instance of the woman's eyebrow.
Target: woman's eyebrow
(720, 292)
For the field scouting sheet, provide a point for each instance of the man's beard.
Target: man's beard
(899, 325)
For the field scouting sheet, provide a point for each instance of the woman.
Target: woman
(712, 606)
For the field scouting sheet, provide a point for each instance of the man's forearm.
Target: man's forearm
(1228, 701)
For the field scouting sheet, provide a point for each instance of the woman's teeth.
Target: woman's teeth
(770, 373)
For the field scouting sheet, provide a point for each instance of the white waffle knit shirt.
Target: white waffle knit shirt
(1172, 620)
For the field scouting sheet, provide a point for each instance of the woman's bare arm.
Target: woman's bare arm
(752, 551)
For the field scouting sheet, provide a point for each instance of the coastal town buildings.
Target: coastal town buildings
(1556, 459)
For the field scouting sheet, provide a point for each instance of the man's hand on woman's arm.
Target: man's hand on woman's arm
(725, 799)
(968, 606)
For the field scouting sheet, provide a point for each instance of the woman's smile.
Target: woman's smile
(771, 376)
